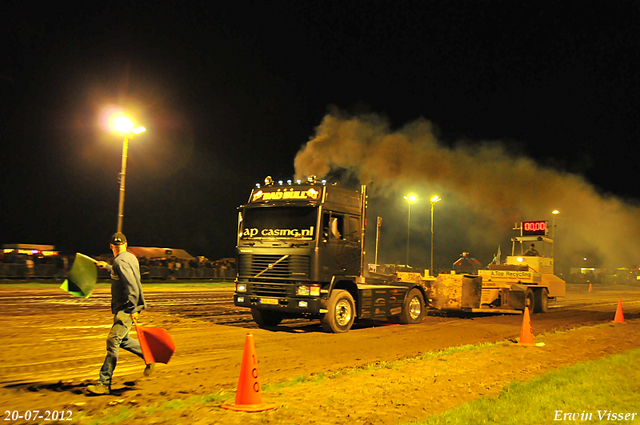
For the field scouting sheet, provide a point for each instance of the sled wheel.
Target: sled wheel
(542, 301)
(529, 300)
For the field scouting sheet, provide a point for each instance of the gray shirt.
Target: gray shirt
(126, 288)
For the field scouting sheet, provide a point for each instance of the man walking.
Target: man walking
(127, 300)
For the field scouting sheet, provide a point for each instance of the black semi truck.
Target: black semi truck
(300, 253)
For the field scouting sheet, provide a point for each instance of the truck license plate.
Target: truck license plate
(270, 301)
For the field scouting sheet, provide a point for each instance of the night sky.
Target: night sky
(230, 92)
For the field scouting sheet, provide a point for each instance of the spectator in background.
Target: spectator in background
(30, 265)
(172, 267)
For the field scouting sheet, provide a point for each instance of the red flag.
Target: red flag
(157, 345)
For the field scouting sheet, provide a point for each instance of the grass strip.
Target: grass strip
(141, 414)
(601, 391)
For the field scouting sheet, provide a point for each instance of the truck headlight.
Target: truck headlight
(302, 304)
(241, 287)
(302, 290)
(240, 299)
(314, 291)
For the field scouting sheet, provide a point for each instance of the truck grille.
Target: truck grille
(272, 267)
(270, 290)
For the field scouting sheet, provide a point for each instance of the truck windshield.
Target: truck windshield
(279, 223)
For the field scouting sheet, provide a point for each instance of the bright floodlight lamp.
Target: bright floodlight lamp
(123, 125)
(138, 130)
(433, 201)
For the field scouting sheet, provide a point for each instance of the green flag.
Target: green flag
(82, 277)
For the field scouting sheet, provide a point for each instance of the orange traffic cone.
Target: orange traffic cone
(619, 316)
(249, 394)
(526, 334)
(590, 288)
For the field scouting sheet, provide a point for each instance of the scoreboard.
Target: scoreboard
(533, 228)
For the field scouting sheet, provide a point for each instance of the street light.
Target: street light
(124, 126)
(433, 201)
(410, 199)
(553, 225)
(553, 233)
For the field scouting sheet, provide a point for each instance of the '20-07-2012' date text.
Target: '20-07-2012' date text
(38, 415)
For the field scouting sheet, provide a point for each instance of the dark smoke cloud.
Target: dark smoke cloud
(489, 186)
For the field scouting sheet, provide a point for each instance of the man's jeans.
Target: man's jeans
(118, 337)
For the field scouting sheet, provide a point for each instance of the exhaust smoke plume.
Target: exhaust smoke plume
(485, 190)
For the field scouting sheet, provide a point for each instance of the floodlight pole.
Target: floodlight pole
(410, 199)
(431, 270)
(433, 201)
(408, 232)
(123, 174)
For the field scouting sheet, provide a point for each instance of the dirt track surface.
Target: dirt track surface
(53, 346)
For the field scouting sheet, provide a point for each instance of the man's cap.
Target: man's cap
(118, 238)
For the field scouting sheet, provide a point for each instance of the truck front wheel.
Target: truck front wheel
(413, 309)
(266, 318)
(542, 301)
(340, 312)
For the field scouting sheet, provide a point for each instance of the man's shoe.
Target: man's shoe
(99, 389)
(149, 369)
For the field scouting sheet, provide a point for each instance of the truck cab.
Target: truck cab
(300, 254)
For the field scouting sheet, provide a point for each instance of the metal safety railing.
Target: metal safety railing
(10, 271)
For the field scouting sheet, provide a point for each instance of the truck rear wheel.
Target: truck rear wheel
(340, 312)
(413, 307)
(542, 301)
(266, 318)
(529, 300)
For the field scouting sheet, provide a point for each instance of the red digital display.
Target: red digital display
(534, 228)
